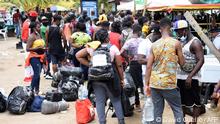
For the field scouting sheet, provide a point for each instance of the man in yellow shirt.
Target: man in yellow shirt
(161, 71)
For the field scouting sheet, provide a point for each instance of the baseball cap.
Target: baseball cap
(33, 13)
(180, 24)
(102, 18)
(43, 18)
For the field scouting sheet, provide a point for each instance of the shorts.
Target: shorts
(57, 59)
(189, 96)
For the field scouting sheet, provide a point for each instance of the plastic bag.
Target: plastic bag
(82, 92)
(20, 100)
(28, 74)
(3, 102)
(85, 112)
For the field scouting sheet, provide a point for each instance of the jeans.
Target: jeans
(136, 73)
(17, 29)
(101, 93)
(172, 96)
(49, 61)
(37, 67)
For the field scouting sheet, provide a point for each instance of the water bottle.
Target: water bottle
(82, 92)
(148, 112)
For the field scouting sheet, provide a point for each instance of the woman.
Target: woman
(115, 34)
(130, 52)
(36, 57)
(79, 39)
(105, 89)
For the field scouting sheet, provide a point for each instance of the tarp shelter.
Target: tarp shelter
(129, 6)
(57, 8)
(161, 5)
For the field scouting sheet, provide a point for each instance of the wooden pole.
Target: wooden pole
(134, 7)
(145, 6)
(198, 29)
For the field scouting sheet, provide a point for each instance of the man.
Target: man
(160, 77)
(216, 35)
(17, 22)
(54, 35)
(49, 15)
(143, 52)
(43, 29)
(188, 76)
(102, 24)
(32, 16)
(130, 52)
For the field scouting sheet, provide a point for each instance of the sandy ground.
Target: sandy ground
(12, 74)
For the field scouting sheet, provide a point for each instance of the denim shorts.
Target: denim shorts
(57, 59)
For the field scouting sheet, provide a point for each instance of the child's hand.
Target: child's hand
(214, 95)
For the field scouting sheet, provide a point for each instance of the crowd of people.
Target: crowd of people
(163, 56)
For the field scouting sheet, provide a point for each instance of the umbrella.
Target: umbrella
(57, 8)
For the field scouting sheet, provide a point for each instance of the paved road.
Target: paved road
(12, 73)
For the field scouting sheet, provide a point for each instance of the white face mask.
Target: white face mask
(183, 38)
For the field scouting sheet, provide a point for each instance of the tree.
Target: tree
(32, 4)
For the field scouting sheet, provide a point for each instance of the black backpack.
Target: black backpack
(101, 66)
(3, 103)
(20, 100)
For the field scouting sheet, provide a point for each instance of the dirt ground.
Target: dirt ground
(12, 74)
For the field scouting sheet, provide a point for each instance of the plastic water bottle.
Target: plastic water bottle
(148, 112)
(82, 92)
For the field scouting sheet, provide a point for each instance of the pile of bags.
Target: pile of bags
(22, 100)
(67, 80)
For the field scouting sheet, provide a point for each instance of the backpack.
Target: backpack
(20, 100)
(101, 66)
(3, 103)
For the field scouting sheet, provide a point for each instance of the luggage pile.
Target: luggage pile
(22, 100)
(67, 80)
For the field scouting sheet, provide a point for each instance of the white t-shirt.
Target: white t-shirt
(144, 49)
(216, 41)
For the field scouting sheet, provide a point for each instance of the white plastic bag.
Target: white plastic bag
(28, 74)
(82, 92)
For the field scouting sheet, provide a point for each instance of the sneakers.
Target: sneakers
(48, 77)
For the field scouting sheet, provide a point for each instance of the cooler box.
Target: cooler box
(210, 72)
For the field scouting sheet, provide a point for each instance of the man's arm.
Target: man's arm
(196, 48)
(64, 38)
(150, 62)
(179, 53)
(46, 35)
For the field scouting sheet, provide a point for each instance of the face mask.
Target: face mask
(183, 38)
